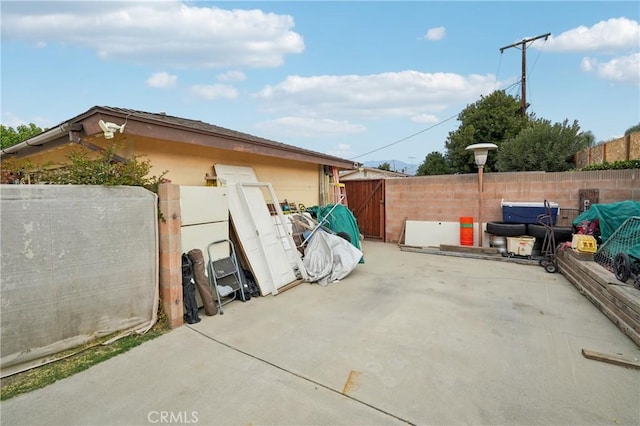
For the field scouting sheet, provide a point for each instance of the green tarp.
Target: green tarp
(339, 218)
(610, 216)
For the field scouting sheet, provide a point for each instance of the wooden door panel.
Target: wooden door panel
(366, 201)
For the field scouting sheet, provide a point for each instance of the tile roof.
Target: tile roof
(210, 128)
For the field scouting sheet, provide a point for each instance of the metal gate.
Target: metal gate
(366, 201)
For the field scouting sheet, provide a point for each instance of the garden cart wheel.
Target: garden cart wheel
(622, 266)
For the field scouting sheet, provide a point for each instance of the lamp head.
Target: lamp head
(480, 151)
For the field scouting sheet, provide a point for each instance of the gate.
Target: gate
(366, 201)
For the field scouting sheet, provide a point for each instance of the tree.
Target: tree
(543, 147)
(590, 138)
(494, 119)
(384, 166)
(632, 129)
(10, 137)
(434, 164)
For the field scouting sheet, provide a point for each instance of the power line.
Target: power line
(495, 85)
(405, 138)
(534, 65)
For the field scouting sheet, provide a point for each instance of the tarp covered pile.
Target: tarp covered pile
(329, 258)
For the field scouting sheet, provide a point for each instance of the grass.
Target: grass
(88, 355)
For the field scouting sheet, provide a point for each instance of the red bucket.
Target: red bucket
(466, 231)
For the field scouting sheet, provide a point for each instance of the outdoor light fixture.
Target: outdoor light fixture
(480, 151)
(110, 128)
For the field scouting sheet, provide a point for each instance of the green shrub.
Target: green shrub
(616, 165)
(107, 169)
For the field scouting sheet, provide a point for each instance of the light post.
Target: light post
(480, 151)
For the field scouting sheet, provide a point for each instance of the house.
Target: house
(188, 149)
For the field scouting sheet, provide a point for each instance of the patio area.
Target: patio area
(405, 338)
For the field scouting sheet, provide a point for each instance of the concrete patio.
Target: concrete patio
(405, 338)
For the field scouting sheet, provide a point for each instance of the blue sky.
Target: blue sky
(343, 78)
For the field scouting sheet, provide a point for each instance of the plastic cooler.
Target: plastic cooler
(520, 246)
(526, 212)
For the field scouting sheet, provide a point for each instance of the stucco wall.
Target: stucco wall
(296, 181)
(447, 198)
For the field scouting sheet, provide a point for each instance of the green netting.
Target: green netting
(626, 239)
(339, 218)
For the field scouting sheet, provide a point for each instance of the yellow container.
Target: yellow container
(584, 243)
(520, 246)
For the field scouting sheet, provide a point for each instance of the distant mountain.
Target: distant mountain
(396, 166)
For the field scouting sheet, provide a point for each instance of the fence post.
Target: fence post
(170, 253)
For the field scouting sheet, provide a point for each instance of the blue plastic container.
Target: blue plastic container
(527, 212)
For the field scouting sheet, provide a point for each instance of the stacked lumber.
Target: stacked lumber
(620, 302)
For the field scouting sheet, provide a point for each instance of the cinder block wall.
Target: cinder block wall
(447, 198)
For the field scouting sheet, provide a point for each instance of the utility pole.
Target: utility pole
(524, 65)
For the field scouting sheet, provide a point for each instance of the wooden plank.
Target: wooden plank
(602, 293)
(625, 300)
(590, 269)
(579, 255)
(289, 286)
(575, 279)
(611, 359)
(434, 250)
(630, 296)
(469, 249)
(625, 293)
(606, 297)
(401, 236)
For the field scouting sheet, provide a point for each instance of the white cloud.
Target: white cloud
(587, 64)
(9, 119)
(615, 34)
(306, 126)
(425, 118)
(395, 94)
(231, 76)
(162, 80)
(214, 91)
(343, 150)
(436, 33)
(169, 32)
(624, 69)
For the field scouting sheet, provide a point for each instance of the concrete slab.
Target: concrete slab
(405, 338)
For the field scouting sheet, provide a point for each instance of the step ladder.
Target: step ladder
(340, 190)
(224, 276)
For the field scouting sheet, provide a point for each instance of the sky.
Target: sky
(361, 80)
